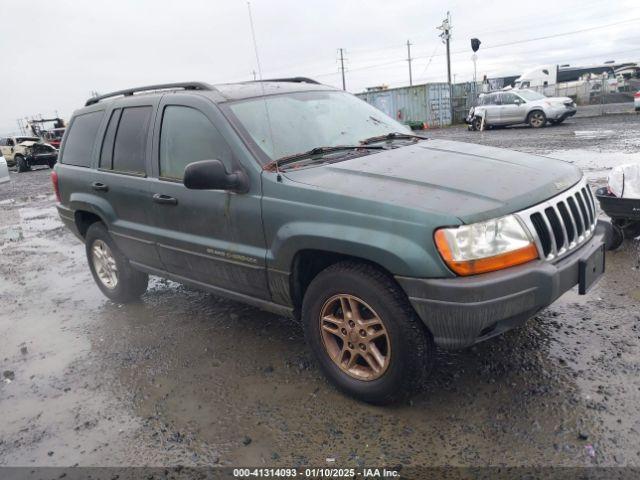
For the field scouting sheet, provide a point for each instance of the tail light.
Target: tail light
(56, 188)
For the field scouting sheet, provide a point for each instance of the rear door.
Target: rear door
(211, 236)
(492, 108)
(122, 182)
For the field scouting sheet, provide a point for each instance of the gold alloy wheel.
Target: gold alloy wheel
(355, 337)
(104, 264)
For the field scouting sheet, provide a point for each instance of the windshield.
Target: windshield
(530, 95)
(302, 121)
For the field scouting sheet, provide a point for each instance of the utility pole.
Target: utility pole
(344, 85)
(446, 36)
(409, 60)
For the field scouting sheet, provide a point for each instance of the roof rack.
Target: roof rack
(291, 79)
(163, 86)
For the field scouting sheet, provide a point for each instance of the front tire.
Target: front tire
(111, 269)
(366, 337)
(21, 164)
(537, 119)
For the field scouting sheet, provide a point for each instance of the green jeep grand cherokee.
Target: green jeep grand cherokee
(303, 200)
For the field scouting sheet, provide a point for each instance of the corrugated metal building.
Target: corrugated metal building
(428, 103)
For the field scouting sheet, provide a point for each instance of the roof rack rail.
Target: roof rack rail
(163, 86)
(291, 79)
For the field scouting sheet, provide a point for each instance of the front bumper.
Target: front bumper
(561, 113)
(462, 311)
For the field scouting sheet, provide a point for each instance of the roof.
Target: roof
(240, 91)
(222, 92)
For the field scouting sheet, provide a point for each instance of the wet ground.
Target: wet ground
(186, 378)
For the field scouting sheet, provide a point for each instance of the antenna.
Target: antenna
(266, 107)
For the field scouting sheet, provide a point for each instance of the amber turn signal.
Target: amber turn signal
(487, 264)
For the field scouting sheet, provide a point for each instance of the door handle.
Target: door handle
(165, 199)
(100, 187)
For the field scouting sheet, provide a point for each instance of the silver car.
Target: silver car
(4, 171)
(519, 106)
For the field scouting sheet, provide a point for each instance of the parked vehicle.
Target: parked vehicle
(26, 152)
(303, 200)
(636, 101)
(514, 107)
(4, 171)
(54, 136)
(620, 199)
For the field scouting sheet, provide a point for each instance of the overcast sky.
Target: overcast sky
(56, 52)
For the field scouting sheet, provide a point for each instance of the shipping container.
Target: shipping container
(418, 105)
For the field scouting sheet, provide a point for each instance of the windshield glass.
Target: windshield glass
(530, 95)
(305, 120)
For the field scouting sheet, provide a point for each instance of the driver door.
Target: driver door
(512, 109)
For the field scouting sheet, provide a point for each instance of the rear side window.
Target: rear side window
(81, 138)
(130, 145)
(106, 152)
(188, 136)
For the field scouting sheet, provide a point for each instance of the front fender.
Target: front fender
(390, 249)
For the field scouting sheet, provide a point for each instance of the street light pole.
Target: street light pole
(409, 60)
(446, 36)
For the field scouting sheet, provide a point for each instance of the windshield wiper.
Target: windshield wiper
(391, 136)
(315, 152)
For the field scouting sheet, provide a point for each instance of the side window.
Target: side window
(508, 98)
(81, 138)
(106, 152)
(495, 99)
(188, 136)
(130, 145)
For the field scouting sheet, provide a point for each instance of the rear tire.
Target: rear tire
(111, 269)
(407, 348)
(21, 164)
(537, 119)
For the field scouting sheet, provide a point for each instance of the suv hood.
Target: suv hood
(471, 182)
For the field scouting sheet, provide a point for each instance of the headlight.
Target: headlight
(485, 246)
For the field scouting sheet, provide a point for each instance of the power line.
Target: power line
(546, 37)
(517, 42)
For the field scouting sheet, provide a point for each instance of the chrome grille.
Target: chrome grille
(563, 223)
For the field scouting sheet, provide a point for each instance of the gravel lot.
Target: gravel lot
(186, 378)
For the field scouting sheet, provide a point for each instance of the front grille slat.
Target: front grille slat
(557, 230)
(563, 223)
(569, 224)
(587, 202)
(577, 218)
(583, 211)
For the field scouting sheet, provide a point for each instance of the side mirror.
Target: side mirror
(211, 175)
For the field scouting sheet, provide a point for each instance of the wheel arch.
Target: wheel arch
(308, 263)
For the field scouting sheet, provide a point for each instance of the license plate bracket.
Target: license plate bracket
(590, 270)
